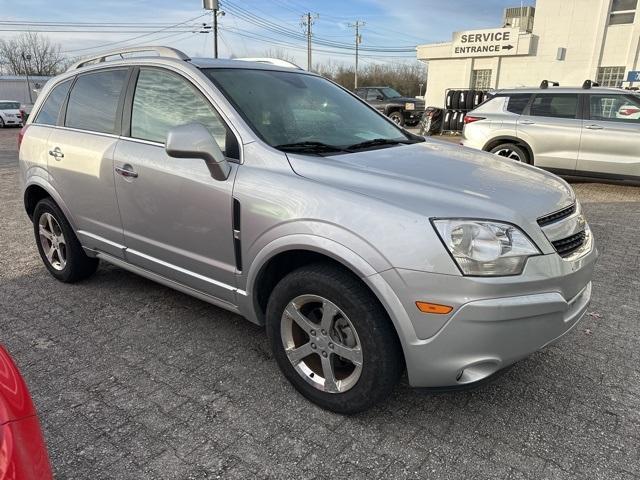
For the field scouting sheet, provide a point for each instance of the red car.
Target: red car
(23, 454)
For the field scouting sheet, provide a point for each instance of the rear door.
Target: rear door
(611, 135)
(81, 157)
(551, 124)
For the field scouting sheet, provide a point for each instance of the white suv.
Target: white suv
(571, 131)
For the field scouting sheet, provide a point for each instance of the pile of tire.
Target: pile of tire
(431, 121)
(457, 104)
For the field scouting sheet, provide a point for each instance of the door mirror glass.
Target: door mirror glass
(379, 97)
(195, 141)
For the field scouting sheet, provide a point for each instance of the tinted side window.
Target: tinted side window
(518, 102)
(559, 105)
(373, 94)
(615, 108)
(361, 93)
(93, 101)
(48, 114)
(164, 100)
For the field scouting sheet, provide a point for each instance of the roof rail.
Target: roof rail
(272, 61)
(545, 84)
(161, 51)
(589, 83)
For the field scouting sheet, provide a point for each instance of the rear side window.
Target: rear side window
(94, 99)
(164, 100)
(518, 102)
(50, 110)
(558, 105)
(373, 94)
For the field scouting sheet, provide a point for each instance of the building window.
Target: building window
(610, 76)
(481, 79)
(623, 12)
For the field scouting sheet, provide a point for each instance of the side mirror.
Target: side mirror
(379, 97)
(195, 141)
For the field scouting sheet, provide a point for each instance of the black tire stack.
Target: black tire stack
(457, 104)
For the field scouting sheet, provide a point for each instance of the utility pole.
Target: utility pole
(307, 22)
(26, 72)
(357, 26)
(214, 6)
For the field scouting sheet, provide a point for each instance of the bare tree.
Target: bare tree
(279, 53)
(45, 56)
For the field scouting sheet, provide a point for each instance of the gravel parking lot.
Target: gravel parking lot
(133, 380)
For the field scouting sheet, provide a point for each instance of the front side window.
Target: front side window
(93, 101)
(558, 105)
(373, 94)
(164, 100)
(481, 79)
(286, 108)
(622, 12)
(615, 108)
(48, 114)
(610, 76)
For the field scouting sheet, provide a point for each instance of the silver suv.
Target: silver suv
(589, 131)
(276, 194)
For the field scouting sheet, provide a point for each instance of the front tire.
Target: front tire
(332, 339)
(397, 118)
(58, 245)
(511, 151)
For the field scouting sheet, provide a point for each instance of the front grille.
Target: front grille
(567, 246)
(556, 216)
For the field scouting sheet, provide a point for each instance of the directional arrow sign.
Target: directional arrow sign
(507, 47)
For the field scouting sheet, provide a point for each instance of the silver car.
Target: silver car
(591, 132)
(276, 194)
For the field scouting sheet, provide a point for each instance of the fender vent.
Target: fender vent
(237, 246)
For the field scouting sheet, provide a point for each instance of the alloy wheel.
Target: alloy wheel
(321, 343)
(52, 241)
(508, 153)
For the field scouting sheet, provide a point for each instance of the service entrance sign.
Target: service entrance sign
(485, 43)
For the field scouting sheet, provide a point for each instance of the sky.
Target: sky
(251, 28)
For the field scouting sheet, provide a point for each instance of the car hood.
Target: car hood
(11, 111)
(438, 179)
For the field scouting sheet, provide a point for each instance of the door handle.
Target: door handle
(594, 127)
(56, 153)
(126, 171)
(527, 122)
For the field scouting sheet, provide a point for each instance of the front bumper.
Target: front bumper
(495, 321)
(412, 116)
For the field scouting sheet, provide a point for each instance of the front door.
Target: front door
(177, 219)
(81, 158)
(375, 99)
(551, 125)
(611, 135)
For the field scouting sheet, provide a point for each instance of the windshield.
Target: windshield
(390, 92)
(9, 106)
(290, 108)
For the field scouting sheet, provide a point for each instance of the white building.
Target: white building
(567, 41)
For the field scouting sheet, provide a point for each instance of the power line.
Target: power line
(134, 38)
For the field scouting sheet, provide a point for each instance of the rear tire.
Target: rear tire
(58, 245)
(511, 151)
(326, 311)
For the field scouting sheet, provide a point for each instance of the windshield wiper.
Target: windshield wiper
(378, 141)
(309, 147)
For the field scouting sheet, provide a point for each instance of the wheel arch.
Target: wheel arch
(268, 269)
(38, 188)
(494, 142)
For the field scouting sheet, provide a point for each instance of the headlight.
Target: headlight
(409, 106)
(482, 247)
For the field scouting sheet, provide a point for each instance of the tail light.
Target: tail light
(23, 130)
(471, 119)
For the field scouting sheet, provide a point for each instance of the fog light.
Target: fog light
(426, 307)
